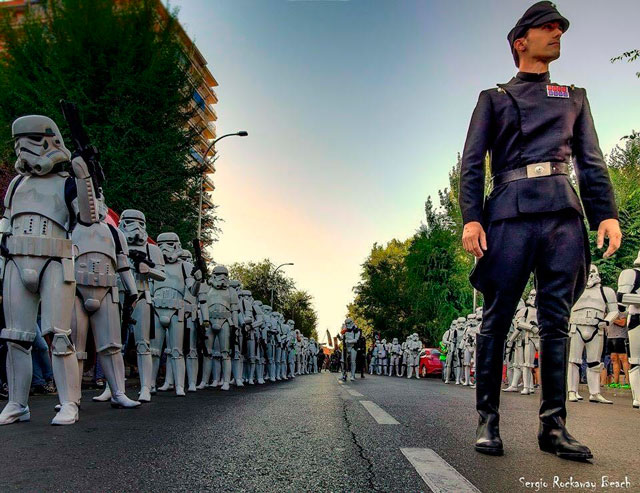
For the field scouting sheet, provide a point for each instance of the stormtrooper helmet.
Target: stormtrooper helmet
(186, 256)
(395, 340)
(531, 299)
(479, 312)
(258, 303)
(169, 244)
(267, 309)
(384, 342)
(348, 323)
(235, 284)
(594, 277)
(103, 210)
(220, 277)
(38, 145)
(460, 321)
(134, 226)
(290, 323)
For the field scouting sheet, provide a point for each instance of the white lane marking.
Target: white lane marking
(354, 393)
(439, 475)
(381, 416)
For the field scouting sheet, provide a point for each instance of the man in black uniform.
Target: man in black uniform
(531, 128)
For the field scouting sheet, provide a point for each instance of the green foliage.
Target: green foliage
(126, 70)
(629, 56)
(294, 304)
(624, 170)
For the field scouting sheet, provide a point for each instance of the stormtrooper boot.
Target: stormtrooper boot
(154, 372)
(573, 377)
(105, 396)
(634, 380)
(467, 376)
(553, 436)
(418, 374)
(226, 373)
(251, 373)
(217, 363)
(513, 386)
(457, 375)
(278, 371)
(489, 351)
(260, 372)
(593, 381)
(65, 372)
(19, 374)
(527, 378)
(409, 371)
(192, 373)
(236, 370)
(145, 369)
(207, 363)
(113, 367)
(168, 378)
(272, 371)
(179, 371)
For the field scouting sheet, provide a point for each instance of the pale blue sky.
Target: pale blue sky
(356, 110)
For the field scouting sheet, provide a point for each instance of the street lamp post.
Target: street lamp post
(241, 133)
(273, 278)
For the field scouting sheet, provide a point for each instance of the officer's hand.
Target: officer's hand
(474, 239)
(143, 268)
(609, 228)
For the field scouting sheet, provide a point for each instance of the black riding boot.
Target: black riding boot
(489, 354)
(553, 437)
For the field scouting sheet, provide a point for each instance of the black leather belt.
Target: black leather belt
(533, 170)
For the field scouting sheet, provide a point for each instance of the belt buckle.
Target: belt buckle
(536, 170)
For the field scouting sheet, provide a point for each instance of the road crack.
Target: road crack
(370, 472)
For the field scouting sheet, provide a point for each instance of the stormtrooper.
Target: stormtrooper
(469, 341)
(459, 348)
(447, 340)
(261, 338)
(305, 348)
(351, 336)
(270, 342)
(252, 321)
(147, 264)
(38, 266)
(527, 322)
(298, 352)
(101, 255)
(590, 316)
(170, 309)
(629, 297)
(414, 346)
(313, 354)
(276, 318)
(373, 365)
(388, 368)
(382, 356)
(237, 341)
(514, 352)
(404, 357)
(224, 306)
(291, 352)
(396, 355)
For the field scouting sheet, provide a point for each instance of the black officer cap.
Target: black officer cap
(536, 15)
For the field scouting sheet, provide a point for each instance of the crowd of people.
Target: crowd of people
(603, 349)
(66, 272)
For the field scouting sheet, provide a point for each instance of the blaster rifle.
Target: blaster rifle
(200, 264)
(140, 257)
(83, 147)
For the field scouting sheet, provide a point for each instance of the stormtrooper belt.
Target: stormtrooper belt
(533, 170)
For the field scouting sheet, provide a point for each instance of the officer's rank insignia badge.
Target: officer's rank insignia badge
(557, 91)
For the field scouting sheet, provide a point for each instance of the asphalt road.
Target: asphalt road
(312, 434)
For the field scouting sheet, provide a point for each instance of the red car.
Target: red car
(430, 363)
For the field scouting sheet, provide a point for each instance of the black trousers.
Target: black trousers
(554, 246)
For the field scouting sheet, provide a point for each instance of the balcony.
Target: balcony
(207, 203)
(207, 184)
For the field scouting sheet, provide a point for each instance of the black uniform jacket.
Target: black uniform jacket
(519, 124)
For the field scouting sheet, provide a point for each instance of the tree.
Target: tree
(128, 73)
(629, 56)
(294, 304)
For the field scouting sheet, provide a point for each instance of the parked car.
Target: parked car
(430, 363)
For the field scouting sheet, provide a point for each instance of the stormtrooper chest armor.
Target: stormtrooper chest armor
(170, 292)
(95, 255)
(220, 304)
(590, 309)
